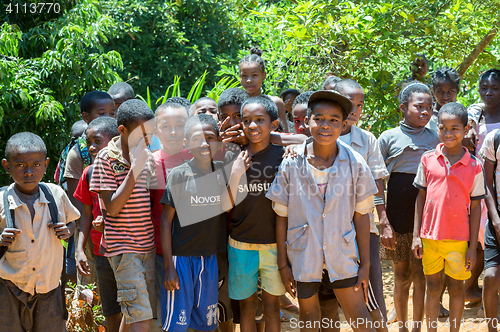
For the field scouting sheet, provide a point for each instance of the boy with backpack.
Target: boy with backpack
(34, 218)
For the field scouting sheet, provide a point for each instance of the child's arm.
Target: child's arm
(63, 231)
(474, 221)
(387, 235)
(362, 227)
(240, 166)
(283, 267)
(83, 236)
(281, 139)
(489, 175)
(170, 277)
(416, 246)
(114, 201)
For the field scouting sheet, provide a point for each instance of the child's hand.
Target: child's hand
(98, 224)
(241, 164)
(470, 140)
(288, 281)
(387, 236)
(61, 229)
(171, 279)
(138, 157)
(81, 263)
(8, 236)
(416, 247)
(290, 151)
(363, 274)
(470, 258)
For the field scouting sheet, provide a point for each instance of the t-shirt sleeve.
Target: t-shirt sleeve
(103, 178)
(420, 181)
(382, 144)
(478, 190)
(365, 206)
(474, 112)
(82, 192)
(168, 195)
(365, 184)
(280, 189)
(70, 211)
(280, 209)
(375, 160)
(74, 164)
(487, 151)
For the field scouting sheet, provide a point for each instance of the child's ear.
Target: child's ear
(265, 74)
(306, 120)
(85, 117)
(6, 165)
(47, 160)
(344, 125)
(186, 143)
(275, 124)
(122, 130)
(466, 129)
(403, 108)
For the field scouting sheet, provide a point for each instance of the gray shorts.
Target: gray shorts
(135, 279)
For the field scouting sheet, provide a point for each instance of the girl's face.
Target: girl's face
(445, 92)
(251, 78)
(489, 90)
(418, 111)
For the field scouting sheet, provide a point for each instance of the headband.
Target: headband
(406, 88)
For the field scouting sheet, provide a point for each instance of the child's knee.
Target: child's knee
(403, 277)
(250, 305)
(271, 307)
(434, 287)
(491, 279)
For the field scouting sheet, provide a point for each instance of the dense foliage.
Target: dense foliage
(49, 60)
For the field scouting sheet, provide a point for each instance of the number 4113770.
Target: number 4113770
(34, 8)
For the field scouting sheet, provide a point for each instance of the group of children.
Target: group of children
(198, 215)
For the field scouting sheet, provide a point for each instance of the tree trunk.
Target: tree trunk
(478, 49)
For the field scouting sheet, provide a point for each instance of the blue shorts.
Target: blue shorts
(248, 261)
(194, 305)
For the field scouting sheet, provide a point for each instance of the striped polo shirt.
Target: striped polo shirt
(132, 230)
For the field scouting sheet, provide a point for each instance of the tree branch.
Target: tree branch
(469, 60)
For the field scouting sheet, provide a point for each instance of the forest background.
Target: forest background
(49, 60)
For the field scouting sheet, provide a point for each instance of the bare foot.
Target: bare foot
(472, 296)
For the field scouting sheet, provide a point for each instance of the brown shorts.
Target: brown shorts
(403, 250)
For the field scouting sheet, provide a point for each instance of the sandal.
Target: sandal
(284, 317)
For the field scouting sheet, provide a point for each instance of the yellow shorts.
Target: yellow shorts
(445, 254)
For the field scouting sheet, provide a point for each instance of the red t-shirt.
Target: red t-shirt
(164, 164)
(87, 197)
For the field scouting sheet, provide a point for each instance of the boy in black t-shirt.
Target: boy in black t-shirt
(193, 230)
(252, 244)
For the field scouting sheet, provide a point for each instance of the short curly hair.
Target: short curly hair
(445, 74)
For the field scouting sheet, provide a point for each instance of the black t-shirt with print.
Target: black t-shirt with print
(253, 220)
(199, 226)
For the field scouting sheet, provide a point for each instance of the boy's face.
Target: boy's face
(357, 97)
(27, 170)
(299, 114)
(288, 101)
(257, 124)
(102, 107)
(326, 123)
(445, 92)
(134, 136)
(96, 141)
(451, 130)
(208, 107)
(202, 140)
(489, 90)
(251, 77)
(233, 112)
(418, 111)
(420, 67)
(170, 123)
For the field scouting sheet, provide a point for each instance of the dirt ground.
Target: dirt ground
(472, 323)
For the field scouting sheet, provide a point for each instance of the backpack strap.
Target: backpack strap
(9, 217)
(54, 215)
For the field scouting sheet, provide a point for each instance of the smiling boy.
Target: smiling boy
(448, 208)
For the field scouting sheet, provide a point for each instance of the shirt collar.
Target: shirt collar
(356, 136)
(464, 160)
(342, 153)
(15, 201)
(114, 152)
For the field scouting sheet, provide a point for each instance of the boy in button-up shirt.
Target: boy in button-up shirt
(322, 199)
(31, 267)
